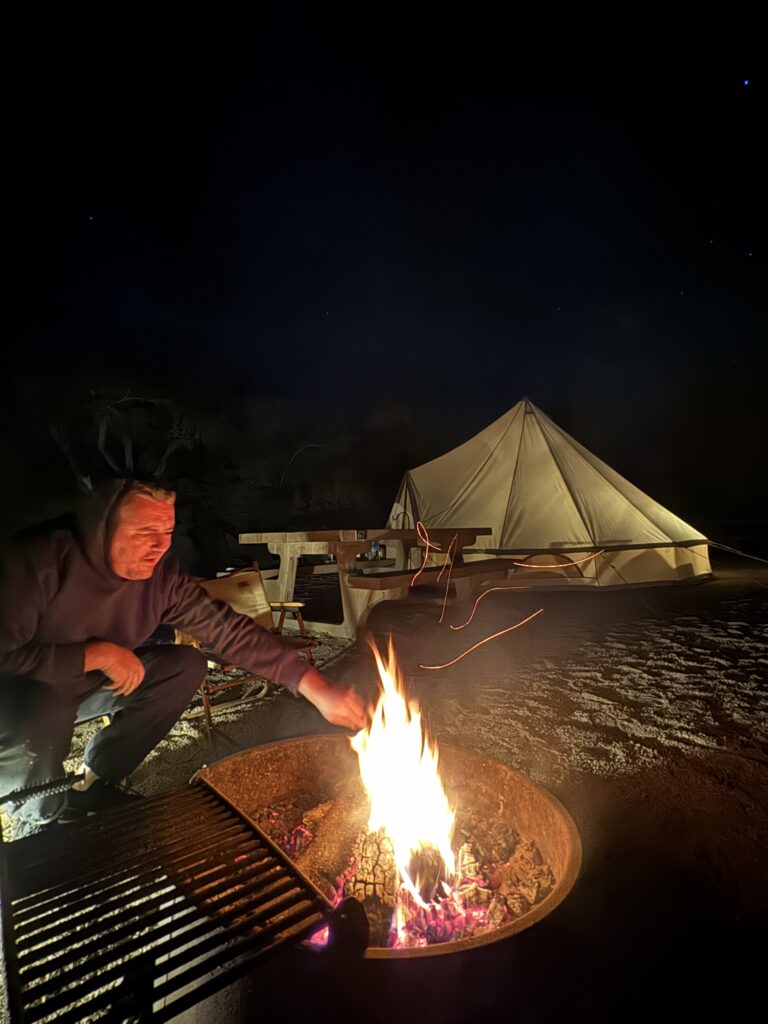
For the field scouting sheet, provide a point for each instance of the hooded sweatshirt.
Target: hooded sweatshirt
(58, 592)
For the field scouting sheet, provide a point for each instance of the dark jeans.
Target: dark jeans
(37, 720)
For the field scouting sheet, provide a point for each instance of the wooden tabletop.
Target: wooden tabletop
(307, 537)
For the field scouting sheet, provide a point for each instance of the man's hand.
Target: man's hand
(118, 663)
(340, 705)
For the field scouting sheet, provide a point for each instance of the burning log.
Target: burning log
(427, 869)
(499, 876)
(373, 879)
(289, 825)
(485, 896)
(338, 830)
(524, 878)
(372, 870)
(493, 842)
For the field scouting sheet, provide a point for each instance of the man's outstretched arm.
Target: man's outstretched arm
(239, 640)
(341, 705)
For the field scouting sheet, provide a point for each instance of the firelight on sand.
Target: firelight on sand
(399, 770)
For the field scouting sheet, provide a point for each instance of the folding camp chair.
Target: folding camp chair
(243, 590)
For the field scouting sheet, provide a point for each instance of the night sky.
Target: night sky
(407, 220)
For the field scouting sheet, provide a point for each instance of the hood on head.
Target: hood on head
(94, 521)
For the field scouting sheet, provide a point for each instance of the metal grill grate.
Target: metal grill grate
(142, 912)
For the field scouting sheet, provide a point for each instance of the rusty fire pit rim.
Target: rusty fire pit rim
(563, 886)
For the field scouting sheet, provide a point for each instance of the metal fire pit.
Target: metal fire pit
(316, 765)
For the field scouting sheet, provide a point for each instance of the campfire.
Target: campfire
(410, 821)
(428, 869)
(307, 795)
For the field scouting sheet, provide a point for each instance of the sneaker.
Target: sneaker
(101, 795)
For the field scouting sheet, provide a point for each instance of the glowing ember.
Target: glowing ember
(320, 938)
(398, 767)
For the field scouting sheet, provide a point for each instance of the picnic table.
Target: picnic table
(357, 597)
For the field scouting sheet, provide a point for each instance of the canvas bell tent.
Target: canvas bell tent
(551, 503)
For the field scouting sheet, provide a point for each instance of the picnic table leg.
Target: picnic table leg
(358, 604)
(286, 580)
(400, 552)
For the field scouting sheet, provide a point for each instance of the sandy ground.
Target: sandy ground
(646, 713)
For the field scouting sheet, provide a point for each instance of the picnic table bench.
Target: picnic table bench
(485, 568)
(327, 568)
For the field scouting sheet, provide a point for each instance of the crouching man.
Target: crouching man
(78, 601)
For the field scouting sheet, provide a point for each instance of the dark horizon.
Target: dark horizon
(372, 232)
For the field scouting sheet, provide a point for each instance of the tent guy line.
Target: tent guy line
(484, 641)
(490, 590)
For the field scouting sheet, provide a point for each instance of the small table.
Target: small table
(344, 546)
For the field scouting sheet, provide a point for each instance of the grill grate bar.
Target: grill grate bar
(145, 911)
(137, 996)
(114, 892)
(126, 857)
(152, 911)
(184, 927)
(155, 817)
(285, 918)
(170, 889)
(91, 883)
(293, 933)
(217, 937)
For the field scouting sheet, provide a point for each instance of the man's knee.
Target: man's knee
(178, 660)
(30, 709)
(193, 664)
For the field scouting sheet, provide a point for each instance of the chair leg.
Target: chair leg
(206, 707)
(300, 620)
(281, 621)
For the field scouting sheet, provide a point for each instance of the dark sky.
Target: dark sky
(433, 211)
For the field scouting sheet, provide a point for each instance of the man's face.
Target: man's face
(141, 538)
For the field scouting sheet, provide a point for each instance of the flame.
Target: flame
(399, 769)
